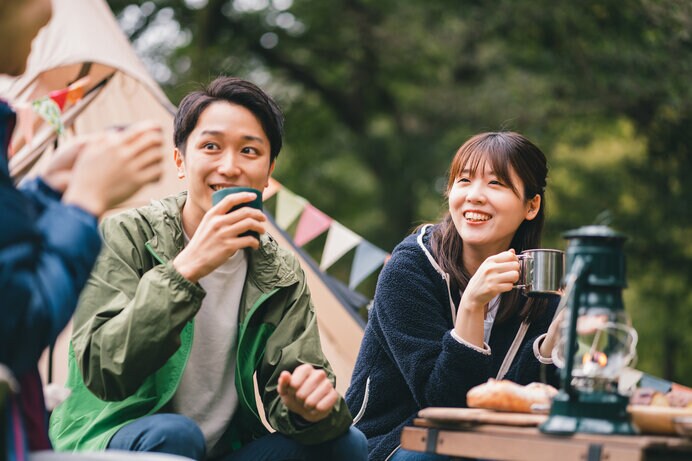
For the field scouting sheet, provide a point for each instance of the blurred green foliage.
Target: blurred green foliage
(379, 94)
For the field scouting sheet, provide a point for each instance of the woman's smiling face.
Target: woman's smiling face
(486, 210)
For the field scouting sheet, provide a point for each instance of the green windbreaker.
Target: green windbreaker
(133, 331)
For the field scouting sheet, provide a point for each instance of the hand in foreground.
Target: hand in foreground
(217, 236)
(553, 336)
(58, 173)
(496, 275)
(308, 392)
(112, 166)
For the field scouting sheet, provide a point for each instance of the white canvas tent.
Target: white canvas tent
(83, 38)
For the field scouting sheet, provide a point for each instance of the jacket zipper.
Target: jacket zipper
(364, 405)
(438, 269)
(154, 254)
(392, 453)
(241, 335)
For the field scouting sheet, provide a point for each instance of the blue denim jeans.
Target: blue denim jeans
(406, 455)
(161, 433)
(179, 435)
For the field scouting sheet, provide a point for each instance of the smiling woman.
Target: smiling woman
(500, 177)
(445, 317)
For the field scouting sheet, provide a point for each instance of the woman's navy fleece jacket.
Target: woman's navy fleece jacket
(408, 359)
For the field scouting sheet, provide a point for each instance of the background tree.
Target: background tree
(379, 94)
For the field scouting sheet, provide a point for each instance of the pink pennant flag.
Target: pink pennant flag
(59, 96)
(312, 223)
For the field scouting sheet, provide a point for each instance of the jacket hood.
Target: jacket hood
(423, 240)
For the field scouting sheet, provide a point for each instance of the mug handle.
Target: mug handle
(522, 268)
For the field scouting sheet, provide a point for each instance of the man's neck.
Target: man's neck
(191, 217)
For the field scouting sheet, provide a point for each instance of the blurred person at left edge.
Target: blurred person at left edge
(49, 239)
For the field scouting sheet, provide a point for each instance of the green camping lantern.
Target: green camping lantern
(597, 340)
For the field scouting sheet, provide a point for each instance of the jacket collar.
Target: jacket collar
(423, 240)
(267, 266)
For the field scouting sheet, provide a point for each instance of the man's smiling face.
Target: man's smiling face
(228, 147)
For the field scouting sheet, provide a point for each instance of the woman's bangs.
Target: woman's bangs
(501, 165)
(478, 157)
(470, 157)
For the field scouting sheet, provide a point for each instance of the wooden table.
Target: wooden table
(490, 441)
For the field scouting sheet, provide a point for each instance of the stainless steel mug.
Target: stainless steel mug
(541, 271)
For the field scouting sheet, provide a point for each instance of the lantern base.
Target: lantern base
(590, 412)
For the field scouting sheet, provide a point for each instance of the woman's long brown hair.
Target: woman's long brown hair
(504, 152)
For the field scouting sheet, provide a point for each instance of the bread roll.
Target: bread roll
(504, 395)
(659, 400)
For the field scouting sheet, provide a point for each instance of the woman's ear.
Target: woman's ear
(534, 206)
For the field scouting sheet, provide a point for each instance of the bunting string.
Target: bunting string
(340, 240)
(49, 108)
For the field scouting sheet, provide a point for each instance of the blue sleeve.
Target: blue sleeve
(39, 195)
(413, 312)
(47, 250)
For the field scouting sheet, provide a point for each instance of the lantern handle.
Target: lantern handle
(570, 281)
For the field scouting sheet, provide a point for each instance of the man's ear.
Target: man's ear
(534, 207)
(271, 170)
(179, 162)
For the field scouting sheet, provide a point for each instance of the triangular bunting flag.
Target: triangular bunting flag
(76, 90)
(288, 207)
(367, 258)
(50, 112)
(339, 240)
(59, 96)
(312, 223)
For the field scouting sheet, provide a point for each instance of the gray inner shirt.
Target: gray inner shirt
(207, 392)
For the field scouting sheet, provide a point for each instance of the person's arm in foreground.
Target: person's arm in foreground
(49, 246)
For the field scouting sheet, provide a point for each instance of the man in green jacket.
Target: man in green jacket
(184, 312)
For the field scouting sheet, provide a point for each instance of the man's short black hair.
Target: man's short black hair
(235, 91)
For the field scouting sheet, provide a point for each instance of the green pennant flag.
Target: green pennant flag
(49, 110)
